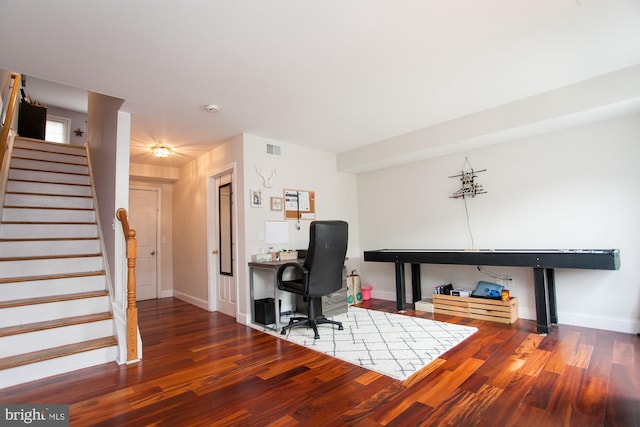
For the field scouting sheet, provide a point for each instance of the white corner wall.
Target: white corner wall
(575, 188)
(190, 227)
(299, 167)
(108, 137)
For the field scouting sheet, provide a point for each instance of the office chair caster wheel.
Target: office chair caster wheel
(340, 328)
(283, 331)
(291, 321)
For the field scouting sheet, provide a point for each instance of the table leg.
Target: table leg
(416, 285)
(401, 299)
(276, 300)
(542, 299)
(551, 292)
(251, 297)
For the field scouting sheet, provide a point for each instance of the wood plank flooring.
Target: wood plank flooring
(204, 369)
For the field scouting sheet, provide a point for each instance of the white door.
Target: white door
(143, 217)
(224, 244)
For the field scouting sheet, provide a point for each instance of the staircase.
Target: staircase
(55, 311)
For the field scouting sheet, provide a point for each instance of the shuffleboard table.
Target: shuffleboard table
(542, 261)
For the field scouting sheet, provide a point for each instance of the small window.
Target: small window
(57, 129)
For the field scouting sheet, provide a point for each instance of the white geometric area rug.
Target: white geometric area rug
(392, 344)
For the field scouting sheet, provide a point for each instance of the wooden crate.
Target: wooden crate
(477, 308)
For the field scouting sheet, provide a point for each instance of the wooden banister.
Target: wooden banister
(11, 107)
(132, 309)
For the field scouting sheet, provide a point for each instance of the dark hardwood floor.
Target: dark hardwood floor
(202, 368)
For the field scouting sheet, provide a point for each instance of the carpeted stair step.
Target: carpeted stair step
(53, 147)
(52, 285)
(49, 188)
(53, 308)
(56, 352)
(40, 266)
(49, 246)
(39, 326)
(45, 166)
(47, 201)
(49, 299)
(30, 214)
(67, 229)
(50, 276)
(53, 177)
(78, 158)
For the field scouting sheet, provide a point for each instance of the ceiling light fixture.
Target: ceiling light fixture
(212, 108)
(160, 151)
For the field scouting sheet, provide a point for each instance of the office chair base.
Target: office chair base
(310, 323)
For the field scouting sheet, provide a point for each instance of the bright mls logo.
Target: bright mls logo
(34, 415)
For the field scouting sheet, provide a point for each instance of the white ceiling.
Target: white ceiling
(333, 75)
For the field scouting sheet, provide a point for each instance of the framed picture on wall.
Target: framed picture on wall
(276, 203)
(256, 198)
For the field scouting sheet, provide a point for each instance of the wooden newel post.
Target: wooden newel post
(132, 309)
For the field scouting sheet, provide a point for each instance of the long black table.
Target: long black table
(543, 263)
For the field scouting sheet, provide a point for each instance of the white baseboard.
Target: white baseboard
(166, 294)
(573, 319)
(243, 318)
(598, 322)
(198, 302)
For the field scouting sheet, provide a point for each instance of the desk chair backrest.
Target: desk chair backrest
(325, 256)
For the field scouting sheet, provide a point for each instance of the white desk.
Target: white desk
(273, 266)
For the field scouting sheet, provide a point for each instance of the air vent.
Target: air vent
(274, 150)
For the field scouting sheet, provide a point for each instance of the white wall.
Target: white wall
(108, 136)
(77, 121)
(304, 169)
(300, 168)
(190, 225)
(575, 188)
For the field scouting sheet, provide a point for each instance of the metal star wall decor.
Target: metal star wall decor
(78, 132)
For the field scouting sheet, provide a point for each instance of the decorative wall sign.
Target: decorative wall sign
(468, 187)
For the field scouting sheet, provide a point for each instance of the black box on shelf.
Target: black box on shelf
(32, 121)
(265, 310)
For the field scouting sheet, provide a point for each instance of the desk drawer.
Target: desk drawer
(336, 303)
(332, 304)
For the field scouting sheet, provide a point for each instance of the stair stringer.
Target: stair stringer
(117, 289)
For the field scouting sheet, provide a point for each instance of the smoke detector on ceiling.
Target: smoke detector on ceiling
(212, 108)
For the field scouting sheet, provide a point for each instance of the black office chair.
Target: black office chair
(321, 273)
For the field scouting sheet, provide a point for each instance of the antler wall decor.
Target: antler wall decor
(266, 182)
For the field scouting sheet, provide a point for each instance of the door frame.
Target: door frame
(158, 192)
(212, 233)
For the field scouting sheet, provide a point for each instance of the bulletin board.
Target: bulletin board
(299, 204)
